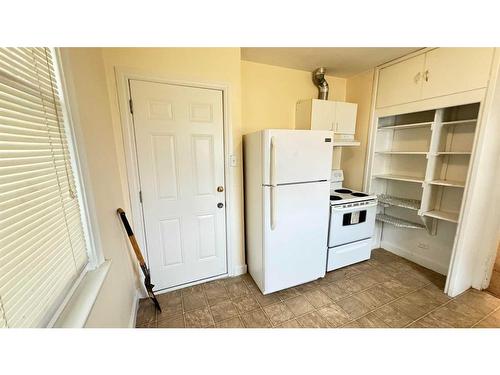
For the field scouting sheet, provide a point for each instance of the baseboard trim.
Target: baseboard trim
(240, 270)
(135, 307)
(423, 261)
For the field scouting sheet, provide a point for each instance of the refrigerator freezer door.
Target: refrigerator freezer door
(292, 156)
(295, 250)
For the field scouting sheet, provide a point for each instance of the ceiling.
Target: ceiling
(339, 62)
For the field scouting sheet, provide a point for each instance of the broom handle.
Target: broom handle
(131, 237)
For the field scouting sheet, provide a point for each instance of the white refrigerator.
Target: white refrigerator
(287, 202)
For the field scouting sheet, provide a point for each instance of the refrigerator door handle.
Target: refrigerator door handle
(273, 163)
(273, 184)
(273, 207)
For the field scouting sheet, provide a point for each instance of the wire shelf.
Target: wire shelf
(389, 200)
(397, 222)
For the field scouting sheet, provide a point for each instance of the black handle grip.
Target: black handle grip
(125, 222)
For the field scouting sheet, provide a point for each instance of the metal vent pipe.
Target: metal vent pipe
(319, 80)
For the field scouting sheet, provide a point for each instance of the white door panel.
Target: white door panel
(345, 117)
(322, 115)
(300, 155)
(401, 82)
(180, 154)
(295, 250)
(451, 70)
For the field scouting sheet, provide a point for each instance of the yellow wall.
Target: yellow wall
(269, 94)
(205, 65)
(89, 102)
(358, 90)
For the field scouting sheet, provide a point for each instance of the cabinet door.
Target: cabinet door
(345, 117)
(322, 115)
(401, 82)
(452, 70)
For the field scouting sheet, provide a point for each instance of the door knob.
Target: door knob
(220, 205)
(220, 189)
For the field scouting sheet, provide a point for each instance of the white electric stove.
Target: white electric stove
(352, 223)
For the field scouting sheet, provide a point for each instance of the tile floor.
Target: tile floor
(385, 291)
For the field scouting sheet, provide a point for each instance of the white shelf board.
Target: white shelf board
(452, 153)
(411, 204)
(460, 122)
(451, 183)
(397, 222)
(442, 215)
(406, 126)
(346, 143)
(401, 152)
(399, 177)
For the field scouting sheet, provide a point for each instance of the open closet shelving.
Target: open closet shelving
(420, 165)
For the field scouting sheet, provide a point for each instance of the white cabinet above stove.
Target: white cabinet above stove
(339, 117)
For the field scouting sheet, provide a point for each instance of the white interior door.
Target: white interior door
(180, 154)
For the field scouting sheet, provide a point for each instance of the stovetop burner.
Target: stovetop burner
(343, 191)
(359, 194)
(343, 195)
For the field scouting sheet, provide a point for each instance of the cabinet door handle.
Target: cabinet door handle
(426, 75)
(417, 77)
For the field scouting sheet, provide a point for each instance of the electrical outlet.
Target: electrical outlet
(423, 245)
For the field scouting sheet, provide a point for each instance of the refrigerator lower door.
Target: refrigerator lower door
(295, 232)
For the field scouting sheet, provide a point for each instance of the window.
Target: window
(42, 242)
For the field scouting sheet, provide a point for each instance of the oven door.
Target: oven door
(349, 224)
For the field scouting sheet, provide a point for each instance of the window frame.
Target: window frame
(78, 164)
(74, 309)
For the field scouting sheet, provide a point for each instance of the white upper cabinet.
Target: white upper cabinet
(322, 115)
(345, 117)
(451, 70)
(315, 114)
(401, 82)
(438, 72)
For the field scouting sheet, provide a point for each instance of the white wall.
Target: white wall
(90, 107)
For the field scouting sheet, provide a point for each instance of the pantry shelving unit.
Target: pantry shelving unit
(419, 168)
(433, 138)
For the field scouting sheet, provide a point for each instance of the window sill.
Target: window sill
(79, 306)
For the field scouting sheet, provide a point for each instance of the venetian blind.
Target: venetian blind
(42, 245)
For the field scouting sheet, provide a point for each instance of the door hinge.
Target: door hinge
(131, 106)
(140, 196)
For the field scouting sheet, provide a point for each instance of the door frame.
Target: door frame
(123, 75)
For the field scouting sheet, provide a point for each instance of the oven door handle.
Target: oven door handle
(354, 208)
